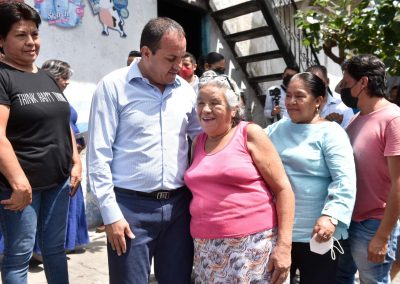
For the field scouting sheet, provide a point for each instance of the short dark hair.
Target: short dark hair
(213, 57)
(370, 66)
(154, 30)
(13, 12)
(312, 82)
(134, 53)
(192, 58)
(292, 67)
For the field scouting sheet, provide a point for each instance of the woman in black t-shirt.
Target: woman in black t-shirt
(39, 162)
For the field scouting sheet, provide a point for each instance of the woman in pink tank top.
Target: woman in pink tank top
(243, 205)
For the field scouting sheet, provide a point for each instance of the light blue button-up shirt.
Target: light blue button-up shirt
(336, 105)
(318, 159)
(138, 136)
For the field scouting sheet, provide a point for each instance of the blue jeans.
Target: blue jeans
(161, 229)
(47, 214)
(356, 255)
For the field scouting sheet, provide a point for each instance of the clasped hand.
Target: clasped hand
(324, 229)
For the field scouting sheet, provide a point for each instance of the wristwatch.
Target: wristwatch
(334, 221)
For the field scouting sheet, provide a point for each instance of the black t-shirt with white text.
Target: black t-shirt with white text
(38, 126)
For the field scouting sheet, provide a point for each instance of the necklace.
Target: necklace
(219, 137)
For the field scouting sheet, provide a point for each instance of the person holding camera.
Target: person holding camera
(275, 108)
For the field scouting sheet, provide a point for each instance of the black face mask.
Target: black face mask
(286, 79)
(347, 98)
(219, 70)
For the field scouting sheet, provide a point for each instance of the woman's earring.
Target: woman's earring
(317, 108)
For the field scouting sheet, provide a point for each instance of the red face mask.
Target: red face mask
(185, 72)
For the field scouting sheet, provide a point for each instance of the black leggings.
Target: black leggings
(314, 268)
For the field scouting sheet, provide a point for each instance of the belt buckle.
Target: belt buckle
(163, 195)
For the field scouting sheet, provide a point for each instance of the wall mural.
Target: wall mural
(69, 13)
(112, 14)
(62, 13)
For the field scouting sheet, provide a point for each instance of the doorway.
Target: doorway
(191, 18)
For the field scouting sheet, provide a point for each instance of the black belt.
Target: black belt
(159, 194)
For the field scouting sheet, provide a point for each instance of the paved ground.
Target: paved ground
(90, 266)
(87, 267)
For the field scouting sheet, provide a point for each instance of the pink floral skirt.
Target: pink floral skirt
(234, 260)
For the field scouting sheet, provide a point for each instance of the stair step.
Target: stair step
(260, 56)
(249, 34)
(265, 78)
(236, 11)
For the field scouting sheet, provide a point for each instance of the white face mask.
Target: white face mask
(324, 247)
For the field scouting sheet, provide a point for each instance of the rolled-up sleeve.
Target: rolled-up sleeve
(339, 158)
(103, 123)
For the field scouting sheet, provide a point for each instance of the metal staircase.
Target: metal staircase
(280, 25)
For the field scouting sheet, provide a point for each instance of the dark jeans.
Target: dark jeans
(161, 229)
(47, 213)
(314, 268)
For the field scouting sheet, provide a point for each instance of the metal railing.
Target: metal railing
(285, 11)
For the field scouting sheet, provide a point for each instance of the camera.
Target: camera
(275, 95)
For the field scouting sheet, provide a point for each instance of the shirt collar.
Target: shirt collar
(134, 72)
(330, 100)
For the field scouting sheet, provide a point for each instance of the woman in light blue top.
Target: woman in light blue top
(318, 159)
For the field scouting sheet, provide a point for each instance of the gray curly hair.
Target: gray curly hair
(233, 99)
(58, 68)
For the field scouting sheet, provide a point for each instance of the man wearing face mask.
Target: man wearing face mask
(274, 108)
(215, 65)
(331, 108)
(216, 62)
(189, 66)
(375, 137)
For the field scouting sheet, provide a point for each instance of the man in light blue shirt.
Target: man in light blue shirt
(332, 109)
(140, 120)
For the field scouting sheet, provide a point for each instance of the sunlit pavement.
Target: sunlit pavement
(89, 266)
